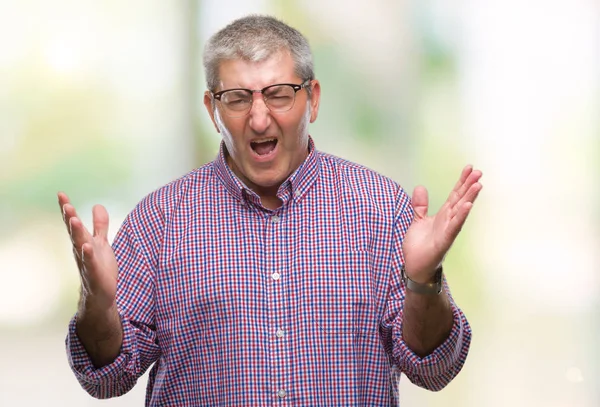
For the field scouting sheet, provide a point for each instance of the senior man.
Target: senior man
(275, 274)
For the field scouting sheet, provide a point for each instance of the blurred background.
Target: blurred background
(103, 100)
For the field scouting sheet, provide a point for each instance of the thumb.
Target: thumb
(420, 201)
(100, 220)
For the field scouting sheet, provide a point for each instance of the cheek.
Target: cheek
(296, 128)
(228, 138)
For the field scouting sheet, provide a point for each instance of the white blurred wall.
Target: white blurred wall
(520, 103)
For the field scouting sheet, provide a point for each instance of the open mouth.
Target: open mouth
(264, 147)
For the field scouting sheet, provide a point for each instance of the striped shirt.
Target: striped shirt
(235, 304)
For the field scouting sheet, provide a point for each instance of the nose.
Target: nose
(260, 115)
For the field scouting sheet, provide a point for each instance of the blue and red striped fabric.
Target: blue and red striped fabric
(239, 305)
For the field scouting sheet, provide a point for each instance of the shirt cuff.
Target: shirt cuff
(437, 369)
(110, 380)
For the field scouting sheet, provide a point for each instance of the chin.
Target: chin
(270, 179)
(267, 182)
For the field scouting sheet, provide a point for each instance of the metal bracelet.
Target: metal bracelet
(427, 288)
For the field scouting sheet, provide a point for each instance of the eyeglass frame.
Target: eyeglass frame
(295, 87)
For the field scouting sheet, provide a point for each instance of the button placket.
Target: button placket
(276, 298)
(275, 220)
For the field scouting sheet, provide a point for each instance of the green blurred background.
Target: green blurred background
(103, 100)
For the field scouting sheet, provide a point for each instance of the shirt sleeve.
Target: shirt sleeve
(135, 303)
(437, 369)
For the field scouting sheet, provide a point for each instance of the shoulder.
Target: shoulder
(362, 180)
(157, 205)
(342, 167)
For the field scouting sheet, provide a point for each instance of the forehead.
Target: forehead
(239, 73)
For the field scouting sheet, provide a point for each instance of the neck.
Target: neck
(268, 195)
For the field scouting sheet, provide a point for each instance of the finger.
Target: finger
(78, 260)
(100, 221)
(67, 209)
(88, 277)
(464, 174)
(453, 197)
(470, 196)
(63, 200)
(79, 234)
(420, 202)
(68, 213)
(86, 256)
(458, 221)
(459, 191)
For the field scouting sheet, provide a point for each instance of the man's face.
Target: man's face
(264, 166)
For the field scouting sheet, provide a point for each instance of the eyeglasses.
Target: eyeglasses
(278, 98)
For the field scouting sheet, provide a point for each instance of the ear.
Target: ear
(315, 100)
(210, 108)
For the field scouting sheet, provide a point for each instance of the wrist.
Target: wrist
(97, 316)
(432, 285)
(95, 303)
(423, 276)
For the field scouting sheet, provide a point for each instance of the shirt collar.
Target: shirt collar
(294, 187)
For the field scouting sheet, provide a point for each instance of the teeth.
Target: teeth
(264, 141)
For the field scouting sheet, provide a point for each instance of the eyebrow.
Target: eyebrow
(269, 83)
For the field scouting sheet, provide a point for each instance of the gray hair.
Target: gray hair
(256, 38)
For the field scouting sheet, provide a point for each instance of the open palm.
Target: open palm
(94, 256)
(429, 238)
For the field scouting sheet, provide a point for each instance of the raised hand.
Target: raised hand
(94, 256)
(429, 238)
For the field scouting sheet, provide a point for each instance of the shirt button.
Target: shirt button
(281, 394)
(280, 333)
(297, 193)
(275, 276)
(275, 219)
